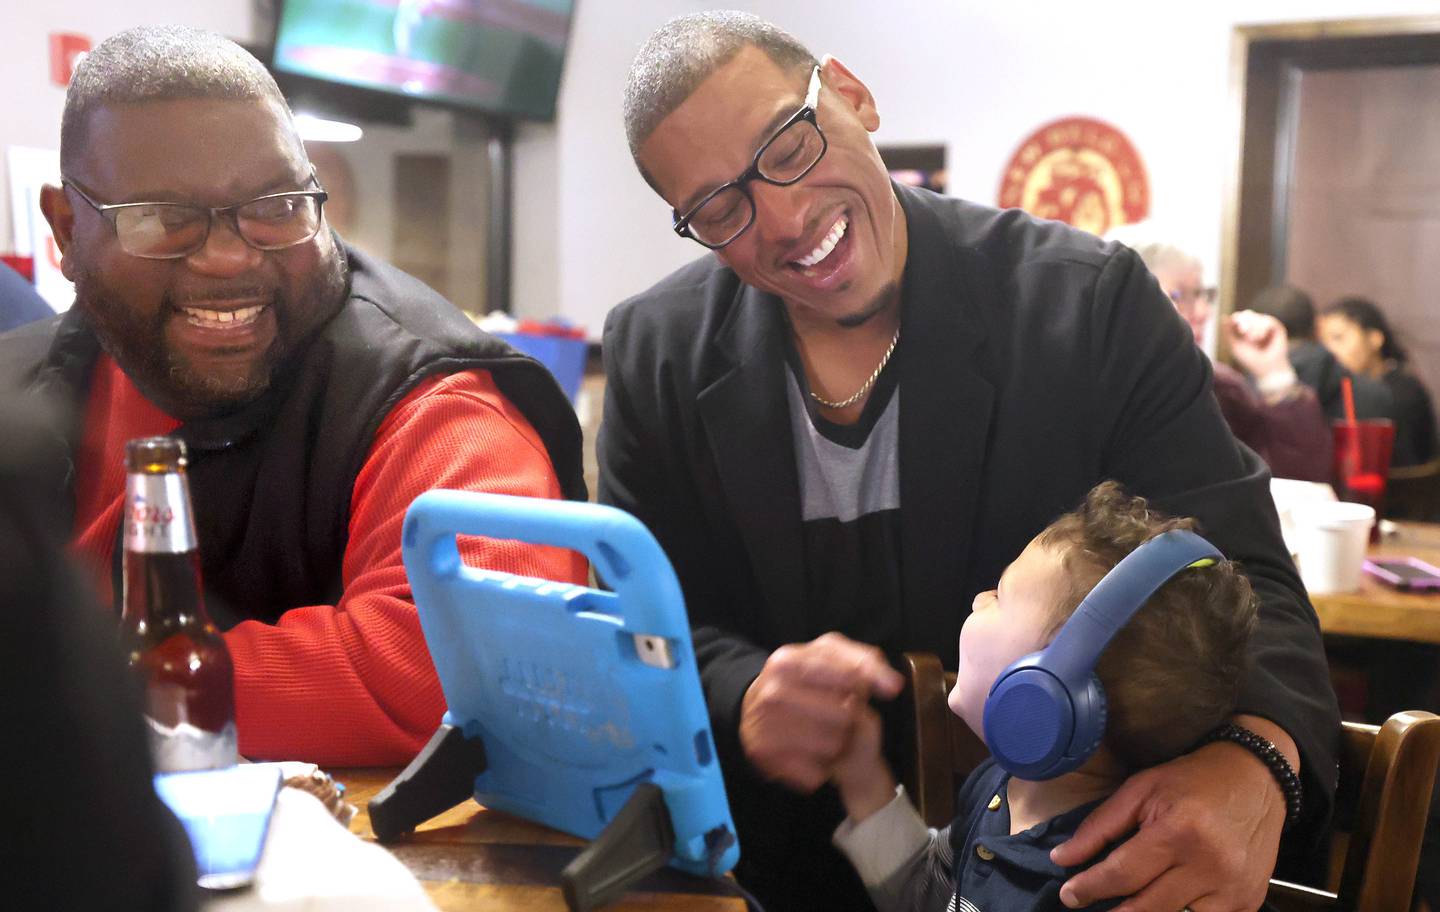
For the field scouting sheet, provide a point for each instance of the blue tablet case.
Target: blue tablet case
(578, 695)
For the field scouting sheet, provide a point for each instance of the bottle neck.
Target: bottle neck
(162, 562)
(157, 514)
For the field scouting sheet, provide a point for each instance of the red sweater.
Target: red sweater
(349, 684)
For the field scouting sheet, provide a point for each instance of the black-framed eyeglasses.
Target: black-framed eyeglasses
(169, 231)
(787, 156)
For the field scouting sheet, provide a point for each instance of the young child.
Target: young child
(1170, 675)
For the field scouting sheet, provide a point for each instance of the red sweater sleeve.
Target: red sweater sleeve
(352, 684)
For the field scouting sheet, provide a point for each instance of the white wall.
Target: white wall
(33, 104)
(976, 77)
(32, 118)
(432, 131)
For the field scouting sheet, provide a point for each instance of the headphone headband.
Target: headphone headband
(1045, 714)
(1119, 594)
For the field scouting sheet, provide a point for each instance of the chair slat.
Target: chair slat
(1386, 776)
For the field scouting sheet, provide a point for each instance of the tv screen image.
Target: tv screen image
(499, 56)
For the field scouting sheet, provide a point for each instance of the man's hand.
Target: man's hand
(1261, 346)
(1209, 831)
(798, 715)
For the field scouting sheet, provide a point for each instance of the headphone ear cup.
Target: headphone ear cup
(1028, 719)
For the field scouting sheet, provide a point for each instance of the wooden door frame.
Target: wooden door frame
(1265, 64)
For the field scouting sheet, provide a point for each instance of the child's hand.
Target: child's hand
(860, 772)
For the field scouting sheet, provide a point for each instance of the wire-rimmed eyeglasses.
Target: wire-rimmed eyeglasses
(169, 231)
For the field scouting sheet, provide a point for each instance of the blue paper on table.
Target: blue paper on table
(578, 695)
(226, 815)
(564, 356)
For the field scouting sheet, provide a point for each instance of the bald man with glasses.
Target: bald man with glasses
(319, 391)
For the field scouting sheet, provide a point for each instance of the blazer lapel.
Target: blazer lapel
(748, 423)
(946, 406)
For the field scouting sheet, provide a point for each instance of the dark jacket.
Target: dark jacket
(1319, 370)
(271, 482)
(85, 829)
(1036, 362)
(1292, 434)
(1415, 442)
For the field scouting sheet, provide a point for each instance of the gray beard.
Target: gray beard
(179, 389)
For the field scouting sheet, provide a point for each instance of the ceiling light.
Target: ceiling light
(317, 129)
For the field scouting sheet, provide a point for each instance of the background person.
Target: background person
(85, 827)
(859, 408)
(1314, 364)
(1266, 407)
(1358, 335)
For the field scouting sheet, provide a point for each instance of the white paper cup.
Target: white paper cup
(1330, 542)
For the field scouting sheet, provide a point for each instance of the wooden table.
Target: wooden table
(473, 858)
(1379, 611)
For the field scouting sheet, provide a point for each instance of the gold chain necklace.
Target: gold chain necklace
(846, 403)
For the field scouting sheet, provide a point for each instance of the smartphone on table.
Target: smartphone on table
(1409, 573)
(226, 814)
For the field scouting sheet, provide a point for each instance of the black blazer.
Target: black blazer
(1034, 362)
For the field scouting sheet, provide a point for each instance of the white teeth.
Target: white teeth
(837, 231)
(226, 318)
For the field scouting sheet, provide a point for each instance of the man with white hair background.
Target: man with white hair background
(1265, 404)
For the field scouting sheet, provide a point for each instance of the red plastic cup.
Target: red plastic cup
(1362, 461)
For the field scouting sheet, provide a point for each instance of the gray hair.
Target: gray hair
(685, 51)
(1147, 239)
(1159, 255)
(160, 63)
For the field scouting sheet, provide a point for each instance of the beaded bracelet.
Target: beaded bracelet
(1270, 755)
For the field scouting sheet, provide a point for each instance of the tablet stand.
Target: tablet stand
(638, 841)
(441, 776)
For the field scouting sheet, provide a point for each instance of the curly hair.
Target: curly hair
(1174, 671)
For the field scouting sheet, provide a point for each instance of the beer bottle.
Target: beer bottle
(179, 655)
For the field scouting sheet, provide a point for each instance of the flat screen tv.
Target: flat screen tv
(499, 56)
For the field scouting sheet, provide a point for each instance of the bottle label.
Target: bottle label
(186, 747)
(157, 514)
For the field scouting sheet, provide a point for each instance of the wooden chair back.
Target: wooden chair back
(1383, 797)
(1413, 492)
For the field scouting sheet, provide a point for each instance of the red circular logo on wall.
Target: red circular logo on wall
(1080, 171)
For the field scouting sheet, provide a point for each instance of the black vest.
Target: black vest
(271, 482)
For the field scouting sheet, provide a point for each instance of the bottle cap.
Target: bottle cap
(155, 455)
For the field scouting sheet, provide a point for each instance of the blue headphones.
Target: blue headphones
(1045, 713)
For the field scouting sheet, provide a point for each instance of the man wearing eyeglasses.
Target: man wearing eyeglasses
(843, 422)
(318, 389)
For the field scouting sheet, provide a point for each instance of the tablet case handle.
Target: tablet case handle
(621, 549)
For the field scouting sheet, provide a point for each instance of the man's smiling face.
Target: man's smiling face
(206, 332)
(831, 246)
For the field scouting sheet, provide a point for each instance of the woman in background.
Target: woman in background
(1357, 333)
